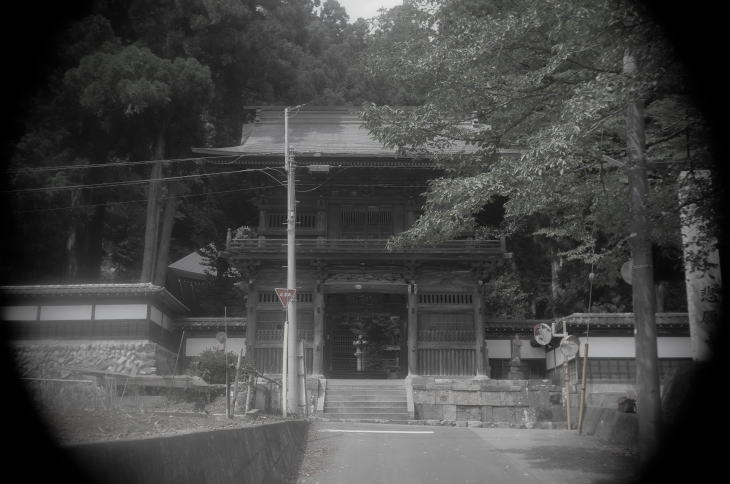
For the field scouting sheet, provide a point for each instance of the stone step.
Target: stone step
(366, 389)
(368, 410)
(367, 384)
(365, 398)
(362, 376)
(345, 375)
(367, 416)
(374, 380)
(341, 404)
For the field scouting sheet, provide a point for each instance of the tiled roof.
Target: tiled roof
(191, 266)
(623, 319)
(580, 322)
(83, 290)
(314, 132)
(203, 323)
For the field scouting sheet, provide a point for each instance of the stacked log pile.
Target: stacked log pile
(53, 360)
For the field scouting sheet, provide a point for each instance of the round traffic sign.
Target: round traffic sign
(626, 272)
(543, 333)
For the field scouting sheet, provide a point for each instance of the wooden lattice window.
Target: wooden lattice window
(366, 219)
(277, 220)
(269, 297)
(270, 326)
(459, 298)
(442, 326)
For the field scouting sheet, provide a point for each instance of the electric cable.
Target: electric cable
(140, 200)
(43, 169)
(129, 182)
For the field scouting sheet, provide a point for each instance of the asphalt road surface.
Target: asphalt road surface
(355, 453)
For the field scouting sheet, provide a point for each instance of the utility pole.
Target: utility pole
(225, 356)
(644, 301)
(291, 401)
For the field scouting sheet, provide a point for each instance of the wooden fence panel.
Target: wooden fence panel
(446, 361)
(268, 359)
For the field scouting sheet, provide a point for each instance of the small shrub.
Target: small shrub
(211, 366)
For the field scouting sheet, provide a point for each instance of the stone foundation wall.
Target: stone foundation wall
(519, 403)
(51, 360)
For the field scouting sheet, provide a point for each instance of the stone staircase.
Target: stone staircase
(366, 400)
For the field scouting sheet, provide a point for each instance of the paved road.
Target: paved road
(355, 453)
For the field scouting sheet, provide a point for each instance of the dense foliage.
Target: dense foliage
(211, 366)
(546, 79)
(146, 80)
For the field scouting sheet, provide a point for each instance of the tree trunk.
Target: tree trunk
(556, 265)
(72, 264)
(93, 253)
(647, 371)
(72, 261)
(168, 221)
(152, 223)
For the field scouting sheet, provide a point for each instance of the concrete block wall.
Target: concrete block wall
(509, 402)
(268, 453)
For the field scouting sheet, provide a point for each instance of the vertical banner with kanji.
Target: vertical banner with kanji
(701, 263)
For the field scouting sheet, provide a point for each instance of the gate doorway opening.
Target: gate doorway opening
(365, 336)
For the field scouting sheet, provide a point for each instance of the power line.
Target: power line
(140, 200)
(44, 169)
(265, 187)
(129, 182)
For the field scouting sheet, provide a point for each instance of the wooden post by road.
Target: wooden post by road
(302, 373)
(566, 377)
(642, 278)
(581, 408)
(412, 329)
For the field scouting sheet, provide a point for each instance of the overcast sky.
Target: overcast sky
(366, 8)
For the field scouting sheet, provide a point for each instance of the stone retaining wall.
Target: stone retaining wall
(520, 403)
(50, 359)
(268, 453)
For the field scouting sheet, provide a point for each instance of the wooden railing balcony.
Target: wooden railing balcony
(275, 248)
(277, 335)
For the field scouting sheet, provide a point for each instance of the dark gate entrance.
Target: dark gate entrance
(380, 320)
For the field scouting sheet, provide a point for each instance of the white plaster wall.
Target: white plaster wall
(20, 313)
(65, 313)
(120, 311)
(674, 347)
(502, 348)
(166, 321)
(623, 347)
(609, 347)
(195, 346)
(156, 315)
